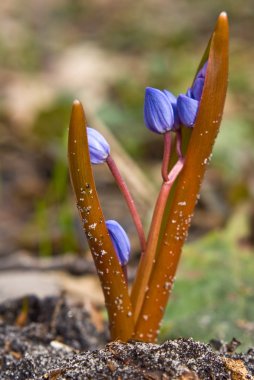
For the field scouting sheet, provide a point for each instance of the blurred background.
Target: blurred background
(105, 53)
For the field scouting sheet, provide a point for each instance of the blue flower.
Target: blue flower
(173, 100)
(120, 241)
(197, 88)
(195, 92)
(187, 109)
(158, 111)
(187, 105)
(98, 147)
(202, 71)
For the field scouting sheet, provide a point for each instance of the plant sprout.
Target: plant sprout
(189, 124)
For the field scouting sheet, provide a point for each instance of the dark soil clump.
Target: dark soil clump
(55, 341)
(51, 318)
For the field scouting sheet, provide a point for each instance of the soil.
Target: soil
(52, 340)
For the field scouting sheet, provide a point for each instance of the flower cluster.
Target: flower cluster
(164, 112)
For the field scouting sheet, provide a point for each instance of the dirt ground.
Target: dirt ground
(51, 339)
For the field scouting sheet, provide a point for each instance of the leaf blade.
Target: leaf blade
(188, 184)
(109, 270)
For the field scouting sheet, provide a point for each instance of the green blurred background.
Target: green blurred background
(105, 53)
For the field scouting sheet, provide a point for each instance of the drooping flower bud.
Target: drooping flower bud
(98, 147)
(120, 241)
(158, 111)
(187, 109)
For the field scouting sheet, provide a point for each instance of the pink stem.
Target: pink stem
(130, 202)
(147, 260)
(169, 179)
(160, 206)
(166, 156)
(179, 143)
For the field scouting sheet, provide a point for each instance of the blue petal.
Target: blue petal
(202, 71)
(158, 112)
(189, 92)
(197, 88)
(172, 98)
(187, 109)
(98, 147)
(120, 241)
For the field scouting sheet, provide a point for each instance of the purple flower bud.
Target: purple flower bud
(202, 71)
(158, 111)
(195, 92)
(98, 147)
(187, 109)
(189, 93)
(172, 98)
(197, 88)
(120, 241)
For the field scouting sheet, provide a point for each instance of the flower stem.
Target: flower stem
(166, 156)
(129, 200)
(147, 260)
(179, 143)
